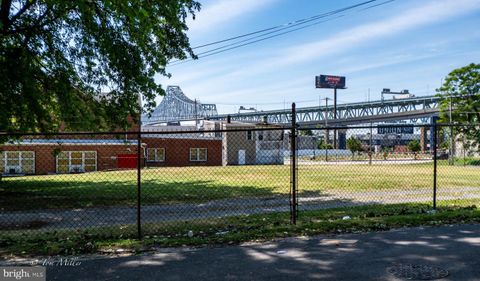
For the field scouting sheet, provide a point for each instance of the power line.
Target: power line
(213, 52)
(265, 38)
(376, 5)
(275, 31)
(296, 22)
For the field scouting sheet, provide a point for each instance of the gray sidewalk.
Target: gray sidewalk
(343, 257)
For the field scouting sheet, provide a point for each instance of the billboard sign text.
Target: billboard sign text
(330, 82)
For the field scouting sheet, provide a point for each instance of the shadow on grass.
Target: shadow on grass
(192, 210)
(18, 194)
(51, 192)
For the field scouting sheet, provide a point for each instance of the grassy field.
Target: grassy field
(237, 229)
(200, 184)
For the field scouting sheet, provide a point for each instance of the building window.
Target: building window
(198, 154)
(155, 154)
(76, 161)
(249, 135)
(17, 162)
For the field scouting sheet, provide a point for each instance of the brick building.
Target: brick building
(47, 156)
(50, 156)
(161, 146)
(182, 151)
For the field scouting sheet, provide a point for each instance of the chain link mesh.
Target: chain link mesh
(206, 181)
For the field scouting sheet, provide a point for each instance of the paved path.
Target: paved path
(335, 162)
(344, 257)
(97, 217)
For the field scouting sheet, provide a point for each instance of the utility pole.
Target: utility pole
(331, 82)
(335, 117)
(327, 133)
(371, 133)
(319, 105)
(370, 148)
(450, 154)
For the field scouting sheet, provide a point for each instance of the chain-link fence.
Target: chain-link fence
(162, 180)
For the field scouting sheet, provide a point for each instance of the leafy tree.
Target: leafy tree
(461, 93)
(83, 64)
(414, 146)
(323, 145)
(306, 132)
(354, 145)
(386, 151)
(445, 145)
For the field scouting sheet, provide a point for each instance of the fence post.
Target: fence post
(434, 164)
(139, 185)
(293, 165)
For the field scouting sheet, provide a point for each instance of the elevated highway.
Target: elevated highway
(417, 109)
(177, 107)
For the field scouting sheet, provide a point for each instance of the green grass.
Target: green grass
(200, 184)
(236, 229)
(469, 161)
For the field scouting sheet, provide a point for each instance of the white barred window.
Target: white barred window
(17, 162)
(198, 154)
(155, 154)
(76, 161)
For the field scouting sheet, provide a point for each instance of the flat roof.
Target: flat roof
(71, 142)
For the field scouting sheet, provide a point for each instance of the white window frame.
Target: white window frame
(19, 166)
(82, 166)
(155, 149)
(197, 154)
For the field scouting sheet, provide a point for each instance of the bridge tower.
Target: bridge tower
(176, 106)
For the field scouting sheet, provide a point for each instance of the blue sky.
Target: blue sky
(405, 44)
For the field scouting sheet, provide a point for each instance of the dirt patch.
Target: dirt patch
(34, 224)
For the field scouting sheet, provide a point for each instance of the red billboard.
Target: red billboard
(330, 82)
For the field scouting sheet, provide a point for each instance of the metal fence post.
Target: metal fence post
(434, 164)
(293, 165)
(139, 185)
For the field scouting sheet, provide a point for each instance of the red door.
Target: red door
(127, 161)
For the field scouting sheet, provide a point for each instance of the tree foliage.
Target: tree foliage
(83, 64)
(354, 145)
(414, 146)
(323, 145)
(306, 132)
(461, 92)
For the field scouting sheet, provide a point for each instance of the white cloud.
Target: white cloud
(435, 11)
(244, 82)
(223, 11)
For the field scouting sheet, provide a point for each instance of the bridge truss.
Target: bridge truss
(417, 109)
(176, 106)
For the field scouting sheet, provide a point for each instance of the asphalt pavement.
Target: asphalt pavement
(434, 251)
